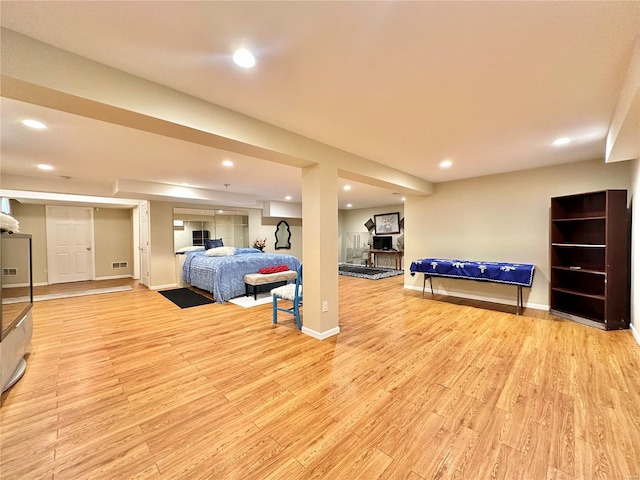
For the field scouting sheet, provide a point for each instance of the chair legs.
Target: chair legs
(275, 309)
(295, 311)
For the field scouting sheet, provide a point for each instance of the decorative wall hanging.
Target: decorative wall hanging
(283, 235)
(387, 223)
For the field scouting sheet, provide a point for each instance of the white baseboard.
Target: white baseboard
(502, 301)
(323, 335)
(44, 284)
(635, 332)
(159, 287)
(114, 277)
(17, 285)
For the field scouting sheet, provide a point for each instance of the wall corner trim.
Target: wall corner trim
(321, 335)
(636, 333)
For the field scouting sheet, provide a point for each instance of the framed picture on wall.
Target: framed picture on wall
(387, 223)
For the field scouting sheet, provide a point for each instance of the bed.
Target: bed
(223, 276)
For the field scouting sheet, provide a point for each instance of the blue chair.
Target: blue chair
(291, 292)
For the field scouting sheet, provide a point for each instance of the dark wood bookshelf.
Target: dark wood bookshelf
(590, 258)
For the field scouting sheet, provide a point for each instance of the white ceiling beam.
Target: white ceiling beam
(38, 73)
(623, 138)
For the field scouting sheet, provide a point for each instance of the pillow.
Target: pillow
(220, 252)
(190, 249)
(243, 251)
(212, 243)
(369, 224)
(279, 268)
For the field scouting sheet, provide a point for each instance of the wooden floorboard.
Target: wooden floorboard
(127, 385)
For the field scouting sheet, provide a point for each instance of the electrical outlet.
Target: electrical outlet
(325, 306)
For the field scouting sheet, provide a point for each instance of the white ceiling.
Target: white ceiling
(488, 85)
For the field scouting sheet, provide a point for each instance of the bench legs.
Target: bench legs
(519, 301)
(255, 290)
(424, 284)
(247, 290)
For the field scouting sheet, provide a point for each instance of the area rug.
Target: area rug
(185, 297)
(248, 302)
(53, 296)
(370, 273)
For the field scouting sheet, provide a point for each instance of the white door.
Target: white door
(69, 244)
(144, 243)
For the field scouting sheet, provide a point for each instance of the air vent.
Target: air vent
(119, 264)
(9, 272)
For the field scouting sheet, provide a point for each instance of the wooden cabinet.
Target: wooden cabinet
(590, 258)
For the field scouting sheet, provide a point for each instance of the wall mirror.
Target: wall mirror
(192, 226)
(283, 235)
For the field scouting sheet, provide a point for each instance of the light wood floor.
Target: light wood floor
(127, 385)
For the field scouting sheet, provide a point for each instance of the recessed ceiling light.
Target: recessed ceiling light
(220, 211)
(34, 124)
(446, 163)
(227, 163)
(347, 187)
(244, 58)
(288, 197)
(403, 199)
(349, 205)
(561, 141)
(44, 166)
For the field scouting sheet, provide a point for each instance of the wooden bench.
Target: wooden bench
(518, 274)
(256, 280)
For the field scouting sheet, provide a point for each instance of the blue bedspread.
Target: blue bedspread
(499, 272)
(224, 276)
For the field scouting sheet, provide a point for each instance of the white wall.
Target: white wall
(260, 227)
(162, 267)
(113, 230)
(635, 251)
(501, 217)
(352, 222)
(33, 221)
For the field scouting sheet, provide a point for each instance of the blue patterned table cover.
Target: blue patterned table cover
(499, 272)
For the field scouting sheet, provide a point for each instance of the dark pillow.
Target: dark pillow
(369, 224)
(212, 243)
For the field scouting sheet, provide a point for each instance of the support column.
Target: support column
(320, 250)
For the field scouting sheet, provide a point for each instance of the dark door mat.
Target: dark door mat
(185, 298)
(370, 273)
